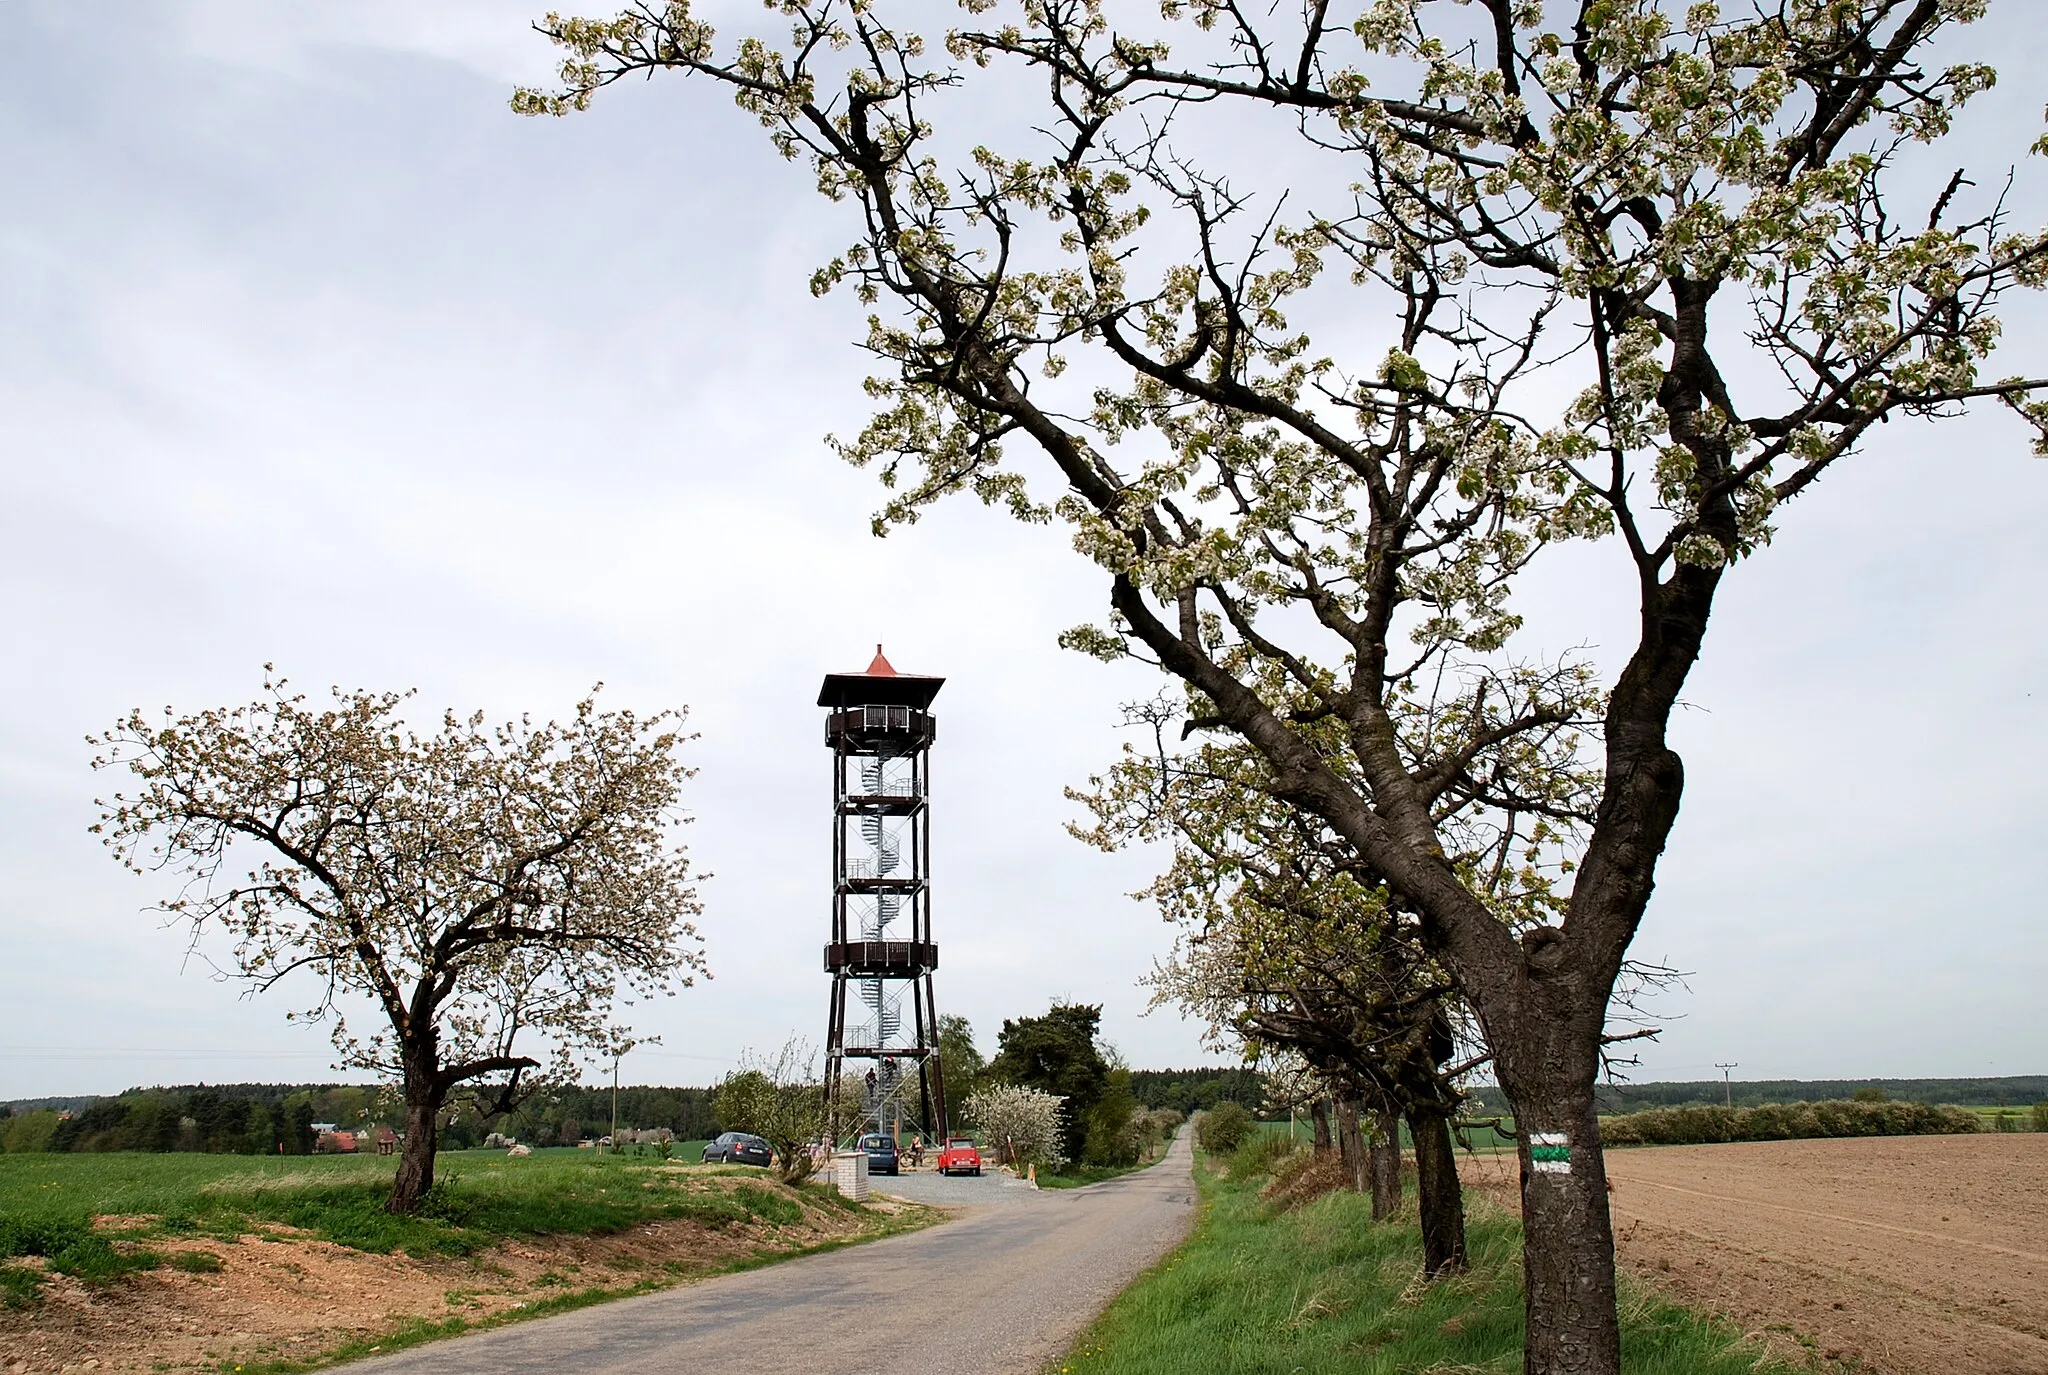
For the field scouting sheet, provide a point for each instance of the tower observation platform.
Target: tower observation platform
(881, 953)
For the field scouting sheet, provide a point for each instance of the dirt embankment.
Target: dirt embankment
(1921, 1255)
(281, 1296)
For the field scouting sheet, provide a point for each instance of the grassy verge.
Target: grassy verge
(1080, 1176)
(49, 1205)
(1256, 1291)
(478, 1199)
(419, 1331)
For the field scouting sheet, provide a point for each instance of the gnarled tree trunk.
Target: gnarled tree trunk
(1568, 1235)
(1386, 1166)
(1442, 1198)
(423, 1099)
(1319, 1119)
(1351, 1143)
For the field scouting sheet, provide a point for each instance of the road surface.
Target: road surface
(1002, 1290)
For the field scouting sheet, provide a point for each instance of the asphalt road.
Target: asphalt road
(1002, 1290)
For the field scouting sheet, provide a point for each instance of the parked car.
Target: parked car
(959, 1157)
(737, 1148)
(882, 1157)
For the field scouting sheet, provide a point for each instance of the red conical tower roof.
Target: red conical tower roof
(879, 685)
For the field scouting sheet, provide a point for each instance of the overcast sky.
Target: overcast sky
(312, 353)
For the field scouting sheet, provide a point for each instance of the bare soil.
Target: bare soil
(1923, 1255)
(286, 1297)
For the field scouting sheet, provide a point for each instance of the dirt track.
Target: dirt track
(1912, 1255)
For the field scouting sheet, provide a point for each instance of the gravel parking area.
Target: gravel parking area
(928, 1186)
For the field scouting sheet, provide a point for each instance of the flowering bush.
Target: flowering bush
(1019, 1125)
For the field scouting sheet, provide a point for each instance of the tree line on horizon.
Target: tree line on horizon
(260, 1118)
(271, 1119)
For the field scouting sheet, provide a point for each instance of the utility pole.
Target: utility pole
(615, 1104)
(1728, 1087)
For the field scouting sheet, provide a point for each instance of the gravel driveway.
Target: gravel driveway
(1002, 1290)
(991, 1190)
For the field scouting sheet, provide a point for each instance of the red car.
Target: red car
(959, 1157)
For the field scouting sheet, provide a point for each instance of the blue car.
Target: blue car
(881, 1151)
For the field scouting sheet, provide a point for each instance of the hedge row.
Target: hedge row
(1782, 1122)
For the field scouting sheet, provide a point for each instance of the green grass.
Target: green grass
(67, 1246)
(1080, 1176)
(48, 1204)
(2019, 1119)
(1323, 1288)
(478, 1198)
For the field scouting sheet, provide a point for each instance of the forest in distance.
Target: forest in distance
(268, 1119)
(2011, 1091)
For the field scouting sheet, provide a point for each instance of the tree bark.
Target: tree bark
(423, 1100)
(1442, 1198)
(1386, 1167)
(1567, 1236)
(1351, 1143)
(1319, 1119)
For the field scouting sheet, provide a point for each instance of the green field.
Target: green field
(174, 1185)
(2020, 1119)
(1260, 1292)
(95, 1216)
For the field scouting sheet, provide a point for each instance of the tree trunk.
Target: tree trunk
(416, 1155)
(1442, 1199)
(1319, 1118)
(1386, 1166)
(1567, 1236)
(1351, 1142)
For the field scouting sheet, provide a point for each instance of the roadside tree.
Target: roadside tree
(1617, 269)
(489, 890)
(778, 1098)
(961, 1065)
(1056, 1052)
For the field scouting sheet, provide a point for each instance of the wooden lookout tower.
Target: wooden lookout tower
(880, 730)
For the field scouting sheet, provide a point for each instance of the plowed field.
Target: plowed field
(1909, 1255)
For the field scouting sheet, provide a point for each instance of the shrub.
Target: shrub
(2041, 1117)
(1259, 1153)
(29, 1131)
(1021, 1125)
(1782, 1122)
(1113, 1137)
(1155, 1129)
(1223, 1128)
(1304, 1177)
(776, 1098)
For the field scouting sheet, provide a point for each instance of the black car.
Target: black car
(737, 1148)
(882, 1158)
